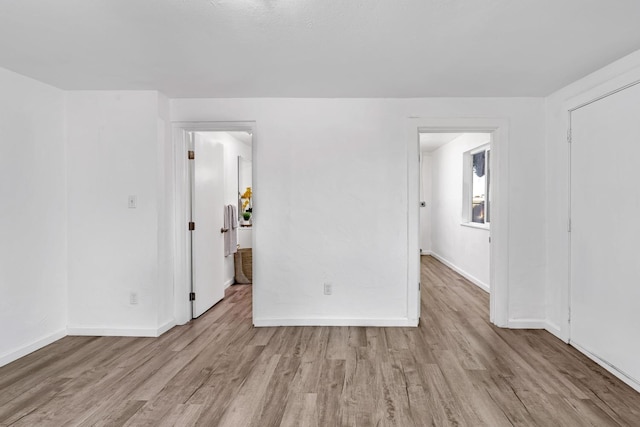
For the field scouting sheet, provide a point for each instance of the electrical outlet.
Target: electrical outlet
(328, 288)
(133, 298)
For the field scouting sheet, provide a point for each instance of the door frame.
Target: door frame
(182, 207)
(499, 244)
(584, 98)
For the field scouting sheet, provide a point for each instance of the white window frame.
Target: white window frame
(467, 186)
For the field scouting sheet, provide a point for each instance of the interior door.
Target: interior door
(208, 215)
(605, 231)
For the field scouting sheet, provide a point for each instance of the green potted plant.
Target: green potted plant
(247, 208)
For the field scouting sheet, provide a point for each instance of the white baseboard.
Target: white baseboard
(5, 359)
(166, 326)
(336, 322)
(469, 277)
(229, 282)
(120, 332)
(527, 324)
(610, 368)
(555, 330)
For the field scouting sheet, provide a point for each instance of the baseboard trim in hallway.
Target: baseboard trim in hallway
(479, 283)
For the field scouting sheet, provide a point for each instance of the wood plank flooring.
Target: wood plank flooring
(455, 369)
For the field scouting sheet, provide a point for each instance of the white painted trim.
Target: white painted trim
(479, 283)
(165, 327)
(610, 368)
(555, 330)
(182, 272)
(229, 282)
(467, 184)
(13, 355)
(499, 246)
(391, 322)
(412, 255)
(114, 332)
(527, 324)
(479, 226)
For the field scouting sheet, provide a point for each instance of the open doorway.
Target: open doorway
(221, 209)
(498, 129)
(214, 199)
(455, 194)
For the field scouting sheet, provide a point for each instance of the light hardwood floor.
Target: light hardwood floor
(455, 369)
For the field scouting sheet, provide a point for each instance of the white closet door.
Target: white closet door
(208, 215)
(605, 236)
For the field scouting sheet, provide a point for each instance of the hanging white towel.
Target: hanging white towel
(227, 227)
(233, 230)
(231, 233)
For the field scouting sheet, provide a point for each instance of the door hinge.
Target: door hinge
(418, 286)
(192, 296)
(191, 154)
(192, 225)
(569, 135)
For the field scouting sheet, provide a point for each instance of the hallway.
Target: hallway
(454, 369)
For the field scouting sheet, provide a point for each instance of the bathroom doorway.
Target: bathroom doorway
(211, 207)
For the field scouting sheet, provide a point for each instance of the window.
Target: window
(477, 181)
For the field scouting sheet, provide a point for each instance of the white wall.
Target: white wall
(463, 248)
(232, 149)
(33, 253)
(331, 201)
(611, 77)
(425, 196)
(331, 193)
(338, 165)
(113, 152)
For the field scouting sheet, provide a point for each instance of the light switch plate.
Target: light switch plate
(328, 289)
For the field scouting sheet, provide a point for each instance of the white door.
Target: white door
(208, 215)
(605, 230)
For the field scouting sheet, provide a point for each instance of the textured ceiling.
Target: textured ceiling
(316, 48)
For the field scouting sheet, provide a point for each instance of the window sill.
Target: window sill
(475, 225)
